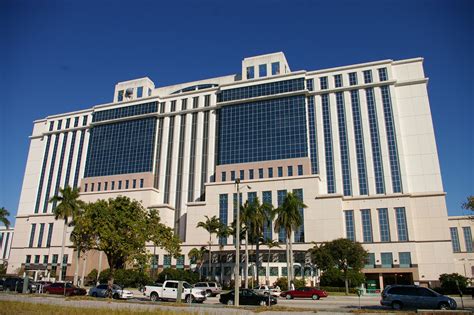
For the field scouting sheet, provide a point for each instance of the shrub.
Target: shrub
(338, 289)
(283, 283)
(126, 277)
(334, 277)
(178, 274)
(449, 285)
(92, 277)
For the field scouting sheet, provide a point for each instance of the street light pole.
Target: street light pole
(237, 248)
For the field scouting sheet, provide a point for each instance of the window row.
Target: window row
(352, 79)
(104, 186)
(262, 70)
(172, 106)
(41, 227)
(45, 261)
(130, 92)
(67, 124)
(126, 111)
(387, 260)
(260, 173)
(166, 262)
(384, 225)
(466, 230)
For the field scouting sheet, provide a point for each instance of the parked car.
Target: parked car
(16, 284)
(58, 288)
(266, 290)
(1, 284)
(211, 288)
(304, 292)
(117, 292)
(412, 296)
(168, 291)
(247, 297)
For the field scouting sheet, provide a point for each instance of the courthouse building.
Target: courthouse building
(356, 143)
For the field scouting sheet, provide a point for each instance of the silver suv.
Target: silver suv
(412, 296)
(211, 288)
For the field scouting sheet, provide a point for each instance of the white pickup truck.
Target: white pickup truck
(168, 291)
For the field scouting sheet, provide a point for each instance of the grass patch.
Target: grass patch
(25, 308)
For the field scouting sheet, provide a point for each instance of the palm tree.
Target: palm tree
(68, 206)
(197, 255)
(270, 244)
(211, 225)
(289, 219)
(4, 217)
(222, 232)
(248, 214)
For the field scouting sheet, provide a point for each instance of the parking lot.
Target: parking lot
(330, 305)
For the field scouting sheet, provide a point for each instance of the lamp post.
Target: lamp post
(237, 248)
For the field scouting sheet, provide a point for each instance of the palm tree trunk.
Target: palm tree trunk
(268, 268)
(62, 252)
(76, 270)
(246, 272)
(210, 257)
(83, 269)
(288, 274)
(257, 260)
(292, 270)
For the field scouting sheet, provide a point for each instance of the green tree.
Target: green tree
(289, 219)
(161, 235)
(469, 205)
(453, 282)
(211, 225)
(247, 216)
(270, 244)
(197, 256)
(222, 232)
(82, 240)
(342, 254)
(120, 229)
(4, 214)
(67, 206)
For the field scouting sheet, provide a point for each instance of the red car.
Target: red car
(304, 292)
(58, 288)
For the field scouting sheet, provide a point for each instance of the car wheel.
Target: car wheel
(94, 294)
(230, 302)
(115, 296)
(397, 305)
(289, 297)
(46, 292)
(208, 293)
(263, 303)
(315, 297)
(154, 296)
(444, 306)
(189, 298)
(266, 293)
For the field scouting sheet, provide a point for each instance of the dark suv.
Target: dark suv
(16, 284)
(412, 296)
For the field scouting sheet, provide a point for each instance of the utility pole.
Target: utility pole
(237, 248)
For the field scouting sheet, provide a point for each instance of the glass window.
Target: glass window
(119, 184)
(41, 233)
(270, 172)
(359, 143)
(367, 225)
(45, 259)
(127, 183)
(60, 122)
(343, 144)
(323, 83)
(37, 259)
(274, 271)
(65, 258)
(76, 121)
(223, 176)
(207, 100)
(85, 187)
(310, 84)
(275, 68)
(32, 234)
(149, 92)
(262, 70)
(51, 126)
(173, 106)
(250, 73)
(251, 174)
(328, 144)
(112, 185)
(120, 96)
(370, 261)
(184, 104)
(260, 173)
(338, 80)
(267, 227)
(55, 259)
(141, 182)
(28, 259)
(467, 238)
(401, 224)
(232, 175)
(92, 187)
(455, 239)
(68, 122)
(50, 234)
(242, 175)
(166, 261)
(387, 260)
(375, 141)
(134, 183)
(383, 74)
(106, 185)
(300, 170)
(353, 78)
(384, 225)
(405, 259)
(84, 120)
(99, 186)
(290, 170)
(368, 76)
(223, 214)
(350, 229)
(140, 91)
(280, 171)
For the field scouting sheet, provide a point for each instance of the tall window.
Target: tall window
(32, 234)
(242, 174)
(290, 170)
(260, 173)
(350, 230)
(223, 176)
(251, 175)
(405, 259)
(323, 83)
(166, 261)
(455, 239)
(401, 224)
(367, 226)
(267, 228)
(387, 260)
(275, 68)
(223, 215)
(328, 144)
(359, 142)
(300, 170)
(270, 172)
(375, 141)
(140, 91)
(353, 78)
(343, 144)
(383, 74)
(232, 175)
(313, 145)
(262, 70)
(50, 235)
(280, 171)
(310, 84)
(299, 232)
(368, 76)
(250, 72)
(384, 225)
(28, 259)
(281, 194)
(467, 238)
(41, 233)
(370, 261)
(120, 96)
(338, 80)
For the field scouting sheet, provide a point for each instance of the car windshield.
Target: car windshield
(117, 287)
(187, 285)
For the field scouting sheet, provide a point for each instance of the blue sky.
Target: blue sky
(60, 56)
